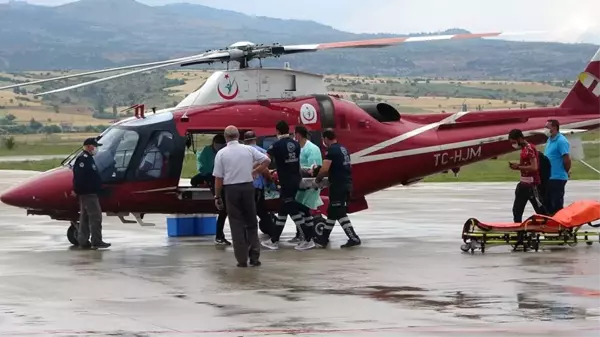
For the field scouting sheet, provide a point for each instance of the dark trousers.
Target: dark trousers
(339, 195)
(289, 206)
(555, 195)
(241, 209)
(222, 215)
(90, 220)
(523, 194)
(266, 221)
(221, 220)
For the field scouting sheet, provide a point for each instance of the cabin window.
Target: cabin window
(155, 159)
(290, 83)
(114, 155)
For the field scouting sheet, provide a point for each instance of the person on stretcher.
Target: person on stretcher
(528, 188)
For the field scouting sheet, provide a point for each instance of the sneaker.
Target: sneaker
(222, 242)
(101, 245)
(270, 244)
(350, 243)
(305, 245)
(255, 263)
(296, 239)
(320, 243)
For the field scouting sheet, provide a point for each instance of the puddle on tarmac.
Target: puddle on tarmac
(524, 306)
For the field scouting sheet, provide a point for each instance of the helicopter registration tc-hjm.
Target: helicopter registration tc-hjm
(387, 148)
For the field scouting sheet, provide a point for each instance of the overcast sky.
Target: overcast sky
(564, 20)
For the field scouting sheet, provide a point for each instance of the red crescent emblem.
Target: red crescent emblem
(228, 97)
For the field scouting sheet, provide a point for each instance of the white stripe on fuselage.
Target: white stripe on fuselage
(360, 159)
(448, 120)
(596, 56)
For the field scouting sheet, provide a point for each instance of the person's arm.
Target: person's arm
(564, 149)
(204, 161)
(260, 158)
(218, 173)
(533, 166)
(325, 167)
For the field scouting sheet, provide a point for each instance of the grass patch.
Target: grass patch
(31, 165)
(21, 149)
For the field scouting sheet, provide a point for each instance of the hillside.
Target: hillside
(102, 33)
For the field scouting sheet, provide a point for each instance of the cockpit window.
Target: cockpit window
(114, 155)
(155, 161)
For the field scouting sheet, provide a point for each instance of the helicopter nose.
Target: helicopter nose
(46, 190)
(14, 197)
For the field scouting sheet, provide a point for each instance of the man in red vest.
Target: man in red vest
(528, 188)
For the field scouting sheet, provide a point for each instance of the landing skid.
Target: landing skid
(138, 218)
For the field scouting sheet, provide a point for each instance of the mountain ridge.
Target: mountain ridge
(91, 34)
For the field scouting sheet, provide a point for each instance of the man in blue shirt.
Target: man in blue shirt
(260, 183)
(557, 150)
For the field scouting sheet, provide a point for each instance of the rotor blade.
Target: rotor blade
(100, 71)
(215, 56)
(384, 42)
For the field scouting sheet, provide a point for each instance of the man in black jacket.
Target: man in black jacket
(87, 184)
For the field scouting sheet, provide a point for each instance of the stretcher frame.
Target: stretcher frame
(563, 229)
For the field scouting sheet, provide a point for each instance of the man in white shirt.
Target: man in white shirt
(234, 174)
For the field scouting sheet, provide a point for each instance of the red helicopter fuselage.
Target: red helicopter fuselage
(387, 148)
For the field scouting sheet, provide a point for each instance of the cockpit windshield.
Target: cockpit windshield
(115, 153)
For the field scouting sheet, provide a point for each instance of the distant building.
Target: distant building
(66, 127)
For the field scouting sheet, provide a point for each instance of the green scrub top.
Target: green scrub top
(310, 155)
(206, 160)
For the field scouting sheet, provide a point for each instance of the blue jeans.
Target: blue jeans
(555, 195)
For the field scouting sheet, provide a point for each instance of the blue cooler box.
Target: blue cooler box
(181, 225)
(205, 224)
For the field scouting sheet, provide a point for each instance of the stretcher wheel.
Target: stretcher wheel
(589, 243)
(72, 233)
(465, 248)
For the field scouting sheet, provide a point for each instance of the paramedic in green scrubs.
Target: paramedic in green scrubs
(310, 155)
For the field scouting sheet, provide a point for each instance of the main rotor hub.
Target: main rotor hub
(243, 45)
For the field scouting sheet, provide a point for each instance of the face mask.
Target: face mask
(324, 144)
(547, 132)
(516, 146)
(94, 151)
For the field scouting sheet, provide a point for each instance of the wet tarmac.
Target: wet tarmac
(408, 279)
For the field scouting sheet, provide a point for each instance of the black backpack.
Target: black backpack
(544, 167)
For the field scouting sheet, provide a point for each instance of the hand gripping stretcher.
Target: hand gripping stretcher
(537, 231)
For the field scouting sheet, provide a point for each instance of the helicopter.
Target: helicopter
(387, 148)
